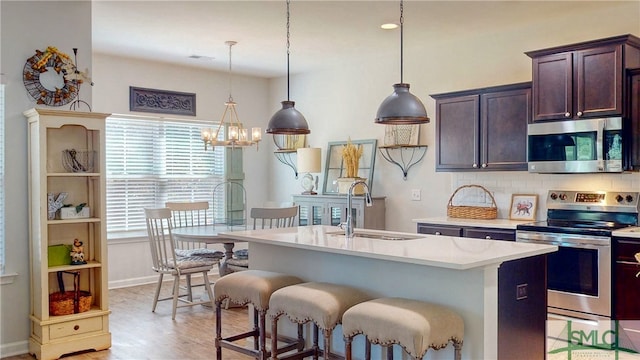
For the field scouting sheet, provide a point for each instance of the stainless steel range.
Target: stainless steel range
(580, 223)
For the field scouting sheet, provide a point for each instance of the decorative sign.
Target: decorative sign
(162, 101)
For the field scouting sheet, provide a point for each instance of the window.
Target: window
(2, 179)
(151, 161)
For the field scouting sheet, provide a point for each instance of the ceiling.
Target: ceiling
(322, 33)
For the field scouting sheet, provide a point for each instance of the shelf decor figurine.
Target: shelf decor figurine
(77, 253)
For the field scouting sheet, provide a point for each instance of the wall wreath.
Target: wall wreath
(46, 77)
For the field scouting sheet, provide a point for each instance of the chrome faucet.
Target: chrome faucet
(349, 225)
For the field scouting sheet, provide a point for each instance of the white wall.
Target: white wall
(25, 27)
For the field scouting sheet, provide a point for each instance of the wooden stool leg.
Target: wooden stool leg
(327, 343)
(367, 348)
(347, 347)
(256, 329)
(457, 354)
(301, 341)
(274, 338)
(316, 348)
(218, 329)
(263, 335)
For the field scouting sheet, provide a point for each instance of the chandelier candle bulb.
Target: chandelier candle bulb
(256, 134)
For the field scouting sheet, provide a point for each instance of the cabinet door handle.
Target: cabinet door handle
(579, 113)
(567, 114)
(438, 233)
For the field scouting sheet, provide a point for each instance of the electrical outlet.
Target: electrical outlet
(415, 194)
(521, 291)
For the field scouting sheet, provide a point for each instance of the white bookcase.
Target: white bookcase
(50, 133)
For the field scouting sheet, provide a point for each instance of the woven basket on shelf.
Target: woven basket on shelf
(69, 302)
(472, 212)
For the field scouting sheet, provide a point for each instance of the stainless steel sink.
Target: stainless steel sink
(379, 236)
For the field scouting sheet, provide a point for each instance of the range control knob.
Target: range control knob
(553, 196)
(563, 196)
(619, 198)
(629, 198)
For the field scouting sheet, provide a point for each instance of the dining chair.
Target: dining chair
(185, 214)
(262, 218)
(165, 261)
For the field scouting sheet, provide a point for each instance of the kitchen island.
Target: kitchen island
(457, 272)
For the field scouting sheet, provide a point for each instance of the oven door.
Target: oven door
(578, 274)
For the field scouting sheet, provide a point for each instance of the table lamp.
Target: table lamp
(308, 160)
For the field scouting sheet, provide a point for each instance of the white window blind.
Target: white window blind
(2, 212)
(151, 161)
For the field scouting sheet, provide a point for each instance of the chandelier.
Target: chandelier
(237, 135)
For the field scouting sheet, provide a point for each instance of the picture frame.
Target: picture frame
(334, 165)
(523, 206)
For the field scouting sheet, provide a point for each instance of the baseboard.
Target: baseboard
(13, 349)
(152, 279)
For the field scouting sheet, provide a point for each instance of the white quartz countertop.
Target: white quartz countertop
(431, 250)
(494, 223)
(630, 232)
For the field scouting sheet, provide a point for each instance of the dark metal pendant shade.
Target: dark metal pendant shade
(401, 108)
(288, 121)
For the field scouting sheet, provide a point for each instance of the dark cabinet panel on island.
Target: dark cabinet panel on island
(634, 116)
(583, 80)
(483, 129)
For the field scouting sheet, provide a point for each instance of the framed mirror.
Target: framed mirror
(335, 167)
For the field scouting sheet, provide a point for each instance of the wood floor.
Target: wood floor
(137, 333)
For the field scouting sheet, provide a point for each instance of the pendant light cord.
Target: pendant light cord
(288, 46)
(401, 40)
(230, 97)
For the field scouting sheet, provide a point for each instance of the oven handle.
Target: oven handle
(565, 241)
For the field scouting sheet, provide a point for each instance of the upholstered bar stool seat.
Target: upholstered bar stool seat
(317, 302)
(417, 326)
(253, 287)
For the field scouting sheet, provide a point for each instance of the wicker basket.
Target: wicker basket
(69, 302)
(64, 303)
(472, 212)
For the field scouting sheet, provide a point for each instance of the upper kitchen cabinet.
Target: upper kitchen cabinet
(583, 80)
(483, 129)
(634, 115)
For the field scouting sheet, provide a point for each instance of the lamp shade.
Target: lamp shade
(288, 121)
(401, 108)
(309, 160)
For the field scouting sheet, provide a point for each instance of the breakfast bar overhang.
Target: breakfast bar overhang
(460, 273)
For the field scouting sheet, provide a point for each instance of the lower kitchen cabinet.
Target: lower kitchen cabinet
(522, 294)
(332, 210)
(626, 290)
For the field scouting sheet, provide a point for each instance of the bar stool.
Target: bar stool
(250, 287)
(317, 302)
(417, 326)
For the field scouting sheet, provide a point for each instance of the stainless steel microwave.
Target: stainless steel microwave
(576, 146)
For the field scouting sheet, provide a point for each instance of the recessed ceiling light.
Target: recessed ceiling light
(389, 26)
(202, 57)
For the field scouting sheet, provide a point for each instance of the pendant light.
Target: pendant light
(288, 120)
(237, 135)
(401, 107)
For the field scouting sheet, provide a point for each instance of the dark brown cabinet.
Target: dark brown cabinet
(583, 80)
(634, 116)
(626, 284)
(483, 129)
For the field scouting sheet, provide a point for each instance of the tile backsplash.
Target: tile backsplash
(503, 184)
